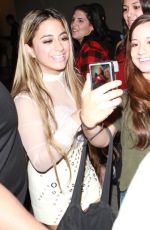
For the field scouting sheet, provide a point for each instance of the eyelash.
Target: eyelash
(45, 42)
(124, 9)
(81, 21)
(133, 45)
(135, 7)
(65, 38)
(50, 41)
(78, 20)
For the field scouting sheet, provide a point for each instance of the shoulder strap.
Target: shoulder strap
(76, 196)
(107, 179)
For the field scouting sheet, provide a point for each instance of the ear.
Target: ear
(30, 50)
(91, 28)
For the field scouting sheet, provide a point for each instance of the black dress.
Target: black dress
(13, 171)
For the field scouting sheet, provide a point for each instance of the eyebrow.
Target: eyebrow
(132, 3)
(134, 39)
(51, 35)
(79, 17)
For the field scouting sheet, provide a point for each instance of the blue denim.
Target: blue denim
(122, 195)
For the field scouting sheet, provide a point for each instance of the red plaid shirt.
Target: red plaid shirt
(90, 52)
(120, 57)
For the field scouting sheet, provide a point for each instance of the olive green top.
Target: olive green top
(131, 155)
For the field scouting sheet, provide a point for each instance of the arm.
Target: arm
(13, 215)
(98, 136)
(96, 107)
(32, 133)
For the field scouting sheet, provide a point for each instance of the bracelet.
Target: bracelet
(84, 125)
(101, 128)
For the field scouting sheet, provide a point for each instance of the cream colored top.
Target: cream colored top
(48, 201)
(30, 124)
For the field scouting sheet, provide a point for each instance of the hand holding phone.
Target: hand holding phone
(102, 73)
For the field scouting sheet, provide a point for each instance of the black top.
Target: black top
(13, 172)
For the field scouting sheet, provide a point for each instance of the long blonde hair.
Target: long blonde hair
(28, 76)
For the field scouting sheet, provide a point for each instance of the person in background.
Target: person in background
(50, 123)
(109, 37)
(13, 163)
(13, 215)
(99, 78)
(91, 45)
(131, 10)
(13, 38)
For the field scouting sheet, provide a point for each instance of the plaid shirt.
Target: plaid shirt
(90, 52)
(120, 57)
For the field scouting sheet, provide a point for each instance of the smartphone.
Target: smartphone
(102, 72)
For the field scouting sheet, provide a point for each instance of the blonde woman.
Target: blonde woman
(48, 99)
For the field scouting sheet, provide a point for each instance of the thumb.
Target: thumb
(87, 85)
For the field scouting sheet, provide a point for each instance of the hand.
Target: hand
(99, 103)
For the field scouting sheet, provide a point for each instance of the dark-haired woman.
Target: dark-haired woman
(134, 211)
(131, 10)
(91, 48)
(135, 122)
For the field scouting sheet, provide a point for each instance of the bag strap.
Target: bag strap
(76, 196)
(107, 179)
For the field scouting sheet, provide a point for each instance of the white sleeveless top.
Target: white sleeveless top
(49, 202)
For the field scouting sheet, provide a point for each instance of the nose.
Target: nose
(129, 12)
(141, 49)
(73, 23)
(58, 45)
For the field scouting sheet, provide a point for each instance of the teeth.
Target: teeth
(144, 59)
(58, 57)
(74, 30)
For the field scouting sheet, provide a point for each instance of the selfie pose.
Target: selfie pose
(51, 101)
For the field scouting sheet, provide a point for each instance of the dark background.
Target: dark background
(20, 7)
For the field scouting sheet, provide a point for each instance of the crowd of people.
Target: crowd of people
(43, 133)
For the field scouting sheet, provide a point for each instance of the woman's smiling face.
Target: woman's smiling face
(131, 10)
(140, 48)
(80, 25)
(50, 46)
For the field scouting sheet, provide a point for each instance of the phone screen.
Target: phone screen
(101, 73)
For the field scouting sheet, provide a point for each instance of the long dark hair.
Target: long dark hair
(138, 92)
(145, 5)
(96, 16)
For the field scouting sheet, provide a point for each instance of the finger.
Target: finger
(108, 86)
(112, 94)
(111, 104)
(87, 85)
